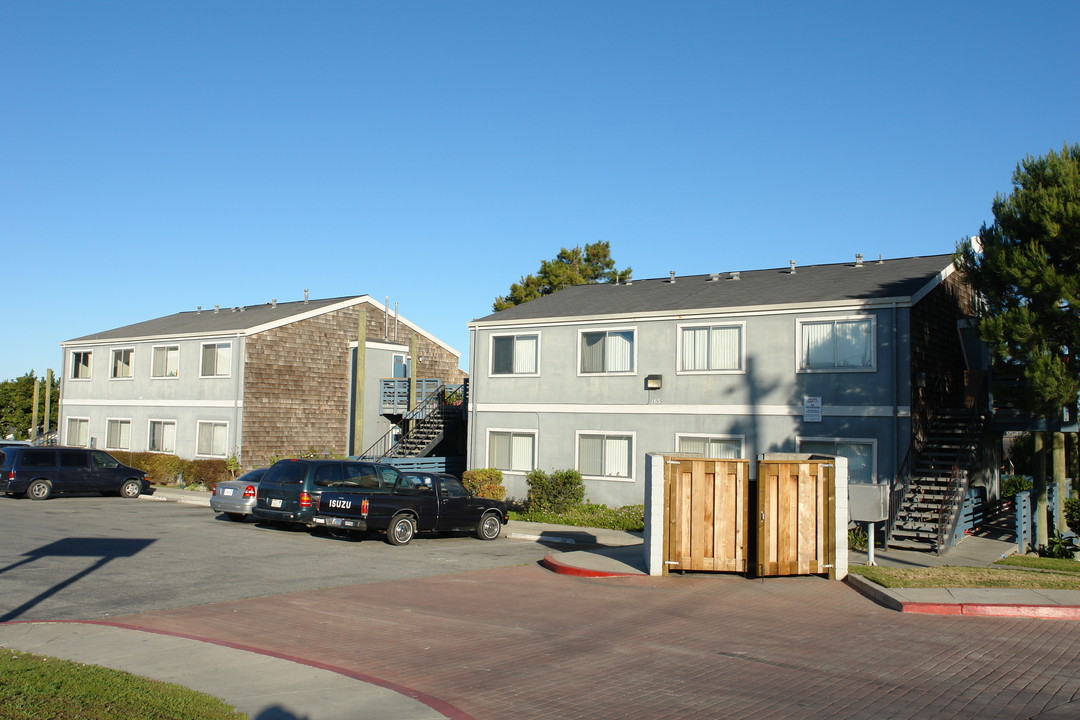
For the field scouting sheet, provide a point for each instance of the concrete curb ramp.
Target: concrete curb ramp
(979, 602)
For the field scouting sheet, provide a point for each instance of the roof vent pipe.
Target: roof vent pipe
(858, 259)
(792, 264)
(217, 309)
(880, 259)
(198, 309)
(273, 303)
(305, 295)
(671, 274)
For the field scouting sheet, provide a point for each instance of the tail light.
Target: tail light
(249, 491)
(305, 500)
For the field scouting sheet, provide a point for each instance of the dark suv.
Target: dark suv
(40, 472)
(289, 491)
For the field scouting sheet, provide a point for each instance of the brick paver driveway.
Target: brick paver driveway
(521, 643)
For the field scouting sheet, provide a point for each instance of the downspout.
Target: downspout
(470, 412)
(359, 371)
(897, 458)
(239, 361)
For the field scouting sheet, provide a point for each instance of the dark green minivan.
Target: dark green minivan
(289, 491)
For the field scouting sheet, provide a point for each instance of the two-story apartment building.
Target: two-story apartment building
(844, 359)
(251, 382)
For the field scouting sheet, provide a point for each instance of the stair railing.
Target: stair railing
(949, 512)
(435, 402)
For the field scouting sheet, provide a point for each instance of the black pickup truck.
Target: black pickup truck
(418, 502)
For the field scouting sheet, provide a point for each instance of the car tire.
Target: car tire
(401, 530)
(489, 527)
(236, 517)
(131, 489)
(39, 490)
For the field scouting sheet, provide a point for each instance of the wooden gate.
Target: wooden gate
(795, 517)
(705, 514)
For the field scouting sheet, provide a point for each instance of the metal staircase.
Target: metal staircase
(932, 497)
(422, 429)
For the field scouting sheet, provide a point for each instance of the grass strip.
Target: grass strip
(966, 577)
(34, 687)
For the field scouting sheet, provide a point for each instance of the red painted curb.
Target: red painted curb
(1041, 612)
(555, 566)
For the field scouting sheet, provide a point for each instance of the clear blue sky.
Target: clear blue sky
(156, 156)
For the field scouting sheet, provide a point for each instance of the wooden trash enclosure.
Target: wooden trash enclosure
(713, 523)
(706, 514)
(795, 517)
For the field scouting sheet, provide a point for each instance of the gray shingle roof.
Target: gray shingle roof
(209, 322)
(900, 278)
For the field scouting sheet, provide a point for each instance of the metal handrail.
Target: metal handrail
(441, 398)
(959, 481)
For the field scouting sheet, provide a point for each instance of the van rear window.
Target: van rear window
(285, 473)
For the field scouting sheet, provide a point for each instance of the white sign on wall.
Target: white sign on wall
(811, 409)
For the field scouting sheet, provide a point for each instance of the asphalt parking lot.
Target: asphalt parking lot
(93, 557)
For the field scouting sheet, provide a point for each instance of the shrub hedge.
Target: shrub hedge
(165, 469)
(485, 483)
(555, 493)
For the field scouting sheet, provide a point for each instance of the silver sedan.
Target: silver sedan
(236, 497)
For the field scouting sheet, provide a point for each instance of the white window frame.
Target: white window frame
(199, 435)
(512, 432)
(217, 360)
(607, 434)
(872, 442)
(130, 365)
(153, 362)
(740, 439)
(108, 426)
(83, 422)
(800, 359)
(682, 327)
(75, 365)
(150, 433)
(515, 337)
(582, 332)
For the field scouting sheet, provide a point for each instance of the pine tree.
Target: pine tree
(1026, 269)
(574, 266)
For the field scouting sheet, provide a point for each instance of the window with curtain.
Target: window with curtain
(216, 359)
(606, 456)
(860, 456)
(837, 344)
(511, 451)
(710, 447)
(610, 351)
(162, 436)
(166, 362)
(78, 432)
(213, 438)
(711, 348)
(121, 363)
(515, 354)
(118, 435)
(80, 365)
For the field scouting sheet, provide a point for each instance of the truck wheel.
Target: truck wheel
(131, 489)
(39, 490)
(401, 530)
(489, 527)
